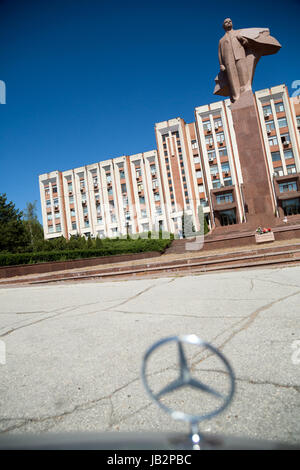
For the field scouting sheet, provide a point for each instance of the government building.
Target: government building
(194, 164)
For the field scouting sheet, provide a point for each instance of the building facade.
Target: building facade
(195, 164)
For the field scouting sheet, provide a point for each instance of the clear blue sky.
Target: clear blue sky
(87, 79)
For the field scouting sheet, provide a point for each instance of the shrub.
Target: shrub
(109, 247)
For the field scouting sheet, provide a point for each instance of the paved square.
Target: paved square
(74, 352)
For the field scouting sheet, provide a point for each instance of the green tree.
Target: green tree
(204, 229)
(13, 234)
(188, 228)
(33, 226)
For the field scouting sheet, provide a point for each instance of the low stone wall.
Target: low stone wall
(38, 268)
(285, 233)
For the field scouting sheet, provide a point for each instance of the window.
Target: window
(74, 226)
(50, 229)
(199, 174)
(194, 144)
(270, 126)
(158, 210)
(285, 187)
(196, 159)
(138, 172)
(200, 188)
(82, 184)
(140, 187)
(49, 217)
(218, 123)
(71, 199)
(207, 126)
(157, 197)
(298, 121)
(57, 215)
(275, 156)
(58, 227)
(225, 167)
(214, 169)
(70, 187)
(224, 198)
(108, 178)
(285, 139)
(288, 154)
(223, 152)
(54, 188)
(282, 122)
(155, 184)
(291, 169)
(220, 137)
(209, 140)
(227, 181)
(143, 213)
(211, 155)
(279, 107)
(164, 136)
(153, 169)
(267, 110)
(203, 202)
(291, 207)
(142, 200)
(123, 188)
(122, 174)
(216, 184)
(110, 191)
(145, 227)
(72, 212)
(55, 201)
(48, 203)
(278, 171)
(273, 141)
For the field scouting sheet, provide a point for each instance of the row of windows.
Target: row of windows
(291, 169)
(217, 123)
(287, 155)
(270, 125)
(279, 108)
(285, 140)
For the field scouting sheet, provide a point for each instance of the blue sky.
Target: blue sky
(87, 79)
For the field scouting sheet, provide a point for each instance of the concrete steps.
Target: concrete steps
(206, 263)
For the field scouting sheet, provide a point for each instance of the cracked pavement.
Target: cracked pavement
(74, 353)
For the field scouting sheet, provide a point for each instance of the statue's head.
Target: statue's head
(227, 24)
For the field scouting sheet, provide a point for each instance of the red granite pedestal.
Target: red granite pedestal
(257, 190)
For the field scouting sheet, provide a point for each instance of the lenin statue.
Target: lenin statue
(239, 52)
